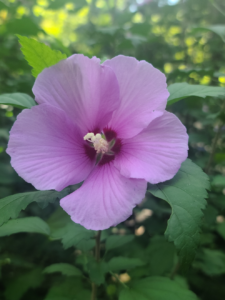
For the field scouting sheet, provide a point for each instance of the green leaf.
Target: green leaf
(123, 263)
(97, 271)
(65, 269)
(29, 224)
(156, 288)
(159, 259)
(211, 262)
(38, 55)
(221, 229)
(69, 289)
(11, 206)
(161, 255)
(114, 241)
(19, 100)
(183, 90)
(72, 234)
(218, 29)
(18, 286)
(186, 194)
(218, 180)
(60, 223)
(85, 245)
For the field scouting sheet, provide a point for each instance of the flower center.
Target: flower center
(99, 143)
(102, 147)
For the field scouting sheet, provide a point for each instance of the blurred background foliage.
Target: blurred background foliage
(182, 39)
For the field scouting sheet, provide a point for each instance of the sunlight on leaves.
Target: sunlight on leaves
(38, 55)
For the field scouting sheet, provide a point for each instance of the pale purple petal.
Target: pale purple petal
(156, 153)
(105, 199)
(143, 90)
(47, 149)
(87, 91)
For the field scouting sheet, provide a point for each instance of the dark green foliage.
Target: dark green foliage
(97, 271)
(117, 264)
(65, 269)
(68, 289)
(156, 288)
(11, 206)
(114, 241)
(18, 286)
(186, 194)
(43, 254)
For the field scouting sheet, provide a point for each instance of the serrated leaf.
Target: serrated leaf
(186, 194)
(29, 224)
(72, 234)
(11, 206)
(19, 100)
(114, 241)
(183, 90)
(18, 286)
(156, 288)
(38, 55)
(123, 263)
(64, 268)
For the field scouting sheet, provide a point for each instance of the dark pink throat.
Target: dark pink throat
(111, 137)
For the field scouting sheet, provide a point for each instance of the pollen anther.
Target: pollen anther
(100, 144)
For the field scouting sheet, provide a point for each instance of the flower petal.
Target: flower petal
(157, 152)
(105, 199)
(47, 149)
(142, 91)
(87, 91)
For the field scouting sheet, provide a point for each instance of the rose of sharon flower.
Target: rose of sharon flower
(104, 124)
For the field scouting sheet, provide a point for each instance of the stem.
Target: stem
(97, 258)
(175, 270)
(94, 291)
(214, 145)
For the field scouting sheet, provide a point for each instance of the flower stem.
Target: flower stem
(94, 291)
(97, 258)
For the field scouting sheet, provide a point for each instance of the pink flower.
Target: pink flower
(104, 124)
